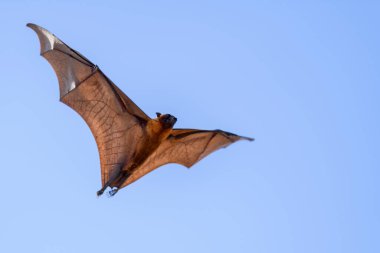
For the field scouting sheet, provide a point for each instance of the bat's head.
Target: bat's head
(166, 120)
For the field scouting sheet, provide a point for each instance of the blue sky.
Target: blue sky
(302, 78)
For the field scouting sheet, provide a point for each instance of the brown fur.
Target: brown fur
(155, 133)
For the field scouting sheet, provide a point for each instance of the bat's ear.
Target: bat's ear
(158, 114)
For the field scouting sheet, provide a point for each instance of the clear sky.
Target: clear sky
(302, 78)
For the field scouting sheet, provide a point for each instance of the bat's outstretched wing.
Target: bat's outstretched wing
(186, 147)
(115, 121)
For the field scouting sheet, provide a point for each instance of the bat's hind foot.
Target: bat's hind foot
(113, 192)
(100, 192)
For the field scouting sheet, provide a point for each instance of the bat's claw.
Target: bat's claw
(112, 192)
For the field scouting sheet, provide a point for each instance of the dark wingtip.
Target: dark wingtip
(33, 26)
(247, 138)
(47, 39)
(38, 29)
(238, 136)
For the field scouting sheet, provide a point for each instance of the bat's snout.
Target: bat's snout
(172, 119)
(167, 120)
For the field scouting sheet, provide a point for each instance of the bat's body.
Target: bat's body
(155, 132)
(130, 143)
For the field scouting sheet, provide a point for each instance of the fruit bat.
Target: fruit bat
(130, 143)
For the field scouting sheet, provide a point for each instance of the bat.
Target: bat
(130, 143)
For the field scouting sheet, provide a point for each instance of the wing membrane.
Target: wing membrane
(186, 147)
(115, 121)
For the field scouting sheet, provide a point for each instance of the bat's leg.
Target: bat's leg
(123, 176)
(109, 182)
(101, 191)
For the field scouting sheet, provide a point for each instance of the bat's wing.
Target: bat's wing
(115, 121)
(186, 147)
